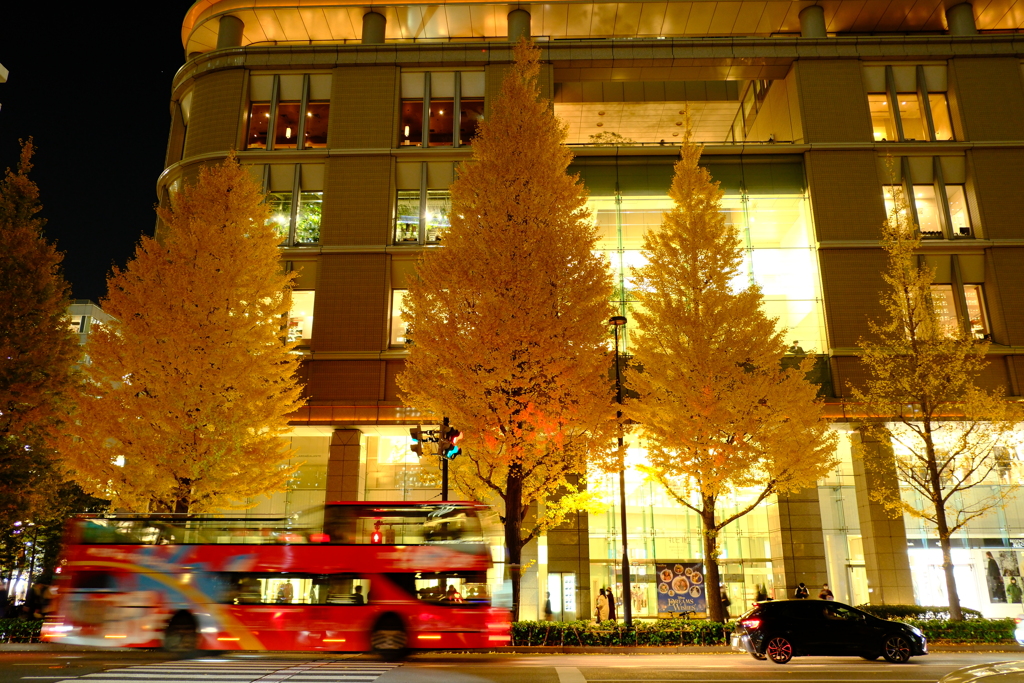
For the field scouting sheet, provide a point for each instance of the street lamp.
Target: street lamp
(627, 593)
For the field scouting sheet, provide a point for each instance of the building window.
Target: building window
(399, 327)
(300, 318)
(951, 309)
(437, 104)
(908, 103)
(295, 195)
(288, 111)
(423, 202)
(937, 207)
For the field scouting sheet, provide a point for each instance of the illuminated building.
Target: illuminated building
(354, 119)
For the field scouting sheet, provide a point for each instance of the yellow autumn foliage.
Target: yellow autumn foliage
(508, 319)
(943, 437)
(720, 417)
(192, 382)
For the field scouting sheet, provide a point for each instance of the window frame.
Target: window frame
(296, 192)
(425, 114)
(275, 101)
(923, 95)
(939, 187)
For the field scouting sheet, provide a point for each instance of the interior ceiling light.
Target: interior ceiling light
(600, 113)
(599, 124)
(288, 133)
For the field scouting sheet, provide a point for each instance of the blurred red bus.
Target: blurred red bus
(388, 577)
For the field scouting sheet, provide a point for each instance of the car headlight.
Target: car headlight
(916, 631)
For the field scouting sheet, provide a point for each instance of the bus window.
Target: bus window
(294, 589)
(446, 588)
(398, 524)
(92, 581)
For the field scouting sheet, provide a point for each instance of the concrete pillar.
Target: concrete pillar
(344, 481)
(374, 24)
(797, 542)
(229, 34)
(518, 24)
(960, 19)
(884, 536)
(812, 22)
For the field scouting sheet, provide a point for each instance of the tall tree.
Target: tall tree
(720, 417)
(509, 319)
(949, 437)
(38, 350)
(193, 380)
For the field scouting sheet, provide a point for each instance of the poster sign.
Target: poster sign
(681, 587)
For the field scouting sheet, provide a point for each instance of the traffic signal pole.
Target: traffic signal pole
(444, 479)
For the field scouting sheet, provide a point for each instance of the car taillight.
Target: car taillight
(751, 624)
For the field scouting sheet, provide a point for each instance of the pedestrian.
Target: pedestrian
(601, 613)
(725, 604)
(452, 594)
(801, 591)
(611, 603)
(762, 594)
(548, 614)
(1013, 591)
(996, 590)
(825, 593)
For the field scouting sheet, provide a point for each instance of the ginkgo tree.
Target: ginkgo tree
(721, 419)
(192, 382)
(949, 438)
(38, 352)
(508, 320)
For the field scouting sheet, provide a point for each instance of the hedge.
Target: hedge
(902, 612)
(20, 630)
(676, 632)
(664, 632)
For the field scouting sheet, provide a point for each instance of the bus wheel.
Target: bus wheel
(389, 640)
(181, 638)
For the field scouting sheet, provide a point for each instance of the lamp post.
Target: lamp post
(627, 594)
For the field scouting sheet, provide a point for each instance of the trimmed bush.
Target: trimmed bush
(662, 633)
(968, 631)
(20, 630)
(903, 612)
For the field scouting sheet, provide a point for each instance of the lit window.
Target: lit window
(399, 326)
(961, 221)
(976, 311)
(944, 300)
(300, 318)
(280, 213)
(911, 117)
(927, 212)
(297, 105)
(881, 117)
(452, 101)
(940, 116)
(307, 219)
(296, 216)
(945, 307)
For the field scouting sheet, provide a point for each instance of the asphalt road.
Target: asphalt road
(122, 667)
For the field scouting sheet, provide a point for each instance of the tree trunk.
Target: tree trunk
(183, 496)
(942, 526)
(711, 576)
(513, 536)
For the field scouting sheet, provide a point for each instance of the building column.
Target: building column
(344, 478)
(518, 25)
(569, 553)
(797, 542)
(960, 20)
(229, 33)
(884, 536)
(812, 22)
(374, 24)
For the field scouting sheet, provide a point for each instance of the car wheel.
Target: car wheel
(180, 637)
(757, 656)
(779, 650)
(389, 640)
(896, 649)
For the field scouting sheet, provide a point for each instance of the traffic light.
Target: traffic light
(448, 439)
(417, 441)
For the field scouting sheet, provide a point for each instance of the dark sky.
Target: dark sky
(92, 87)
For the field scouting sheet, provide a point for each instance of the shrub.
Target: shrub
(665, 632)
(902, 612)
(976, 630)
(20, 630)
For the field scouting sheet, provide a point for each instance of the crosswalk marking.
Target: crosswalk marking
(233, 671)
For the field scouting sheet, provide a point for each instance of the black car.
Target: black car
(782, 629)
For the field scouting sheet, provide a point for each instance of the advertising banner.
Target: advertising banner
(681, 587)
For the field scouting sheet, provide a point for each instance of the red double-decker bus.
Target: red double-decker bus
(387, 577)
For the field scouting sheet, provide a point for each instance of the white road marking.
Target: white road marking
(569, 674)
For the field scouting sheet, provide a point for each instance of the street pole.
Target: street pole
(444, 466)
(627, 593)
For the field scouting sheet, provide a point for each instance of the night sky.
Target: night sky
(92, 87)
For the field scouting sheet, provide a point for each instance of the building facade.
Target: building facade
(355, 119)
